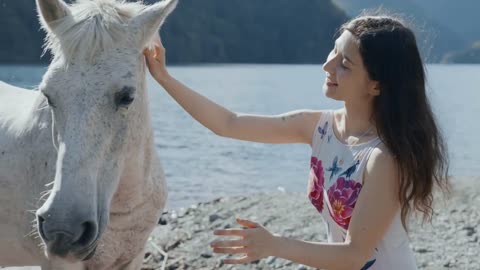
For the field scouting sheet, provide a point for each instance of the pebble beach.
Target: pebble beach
(450, 241)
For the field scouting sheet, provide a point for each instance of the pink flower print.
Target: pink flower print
(315, 183)
(343, 195)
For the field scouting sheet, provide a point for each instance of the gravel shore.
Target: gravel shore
(451, 241)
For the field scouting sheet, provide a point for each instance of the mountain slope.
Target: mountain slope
(239, 31)
(435, 37)
(460, 16)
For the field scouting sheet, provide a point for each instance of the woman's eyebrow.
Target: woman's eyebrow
(349, 59)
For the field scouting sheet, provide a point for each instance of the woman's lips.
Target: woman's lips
(331, 84)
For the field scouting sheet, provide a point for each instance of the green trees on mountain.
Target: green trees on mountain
(436, 36)
(262, 31)
(198, 31)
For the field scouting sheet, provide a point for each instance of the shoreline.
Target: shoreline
(462, 181)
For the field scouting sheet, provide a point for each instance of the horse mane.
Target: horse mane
(91, 27)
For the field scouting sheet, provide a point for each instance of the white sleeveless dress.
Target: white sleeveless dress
(336, 177)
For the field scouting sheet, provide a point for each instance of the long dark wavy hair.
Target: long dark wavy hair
(402, 113)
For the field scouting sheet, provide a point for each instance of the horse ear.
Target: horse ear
(148, 22)
(51, 10)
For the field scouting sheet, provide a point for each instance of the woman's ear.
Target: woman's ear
(374, 88)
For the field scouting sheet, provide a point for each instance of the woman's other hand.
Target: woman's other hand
(255, 243)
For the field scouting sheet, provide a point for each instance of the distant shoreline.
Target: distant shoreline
(457, 182)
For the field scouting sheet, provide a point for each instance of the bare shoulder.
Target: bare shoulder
(381, 167)
(312, 116)
(305, 116)
(380, 151)
(309, 119)
(305, 113)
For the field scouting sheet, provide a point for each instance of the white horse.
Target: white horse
(84, 142)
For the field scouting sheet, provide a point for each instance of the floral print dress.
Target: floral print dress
(335, 182)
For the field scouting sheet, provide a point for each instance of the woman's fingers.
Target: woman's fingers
(231, 232)
(147, 52)
(158, 52)
(229, 243)
(241, 260)
(231, 250)
(155, 54)
(247, 223)
(254, 239)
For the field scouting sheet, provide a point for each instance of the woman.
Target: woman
(374, 162)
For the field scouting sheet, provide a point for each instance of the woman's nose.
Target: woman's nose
(327, 65)
(324, 66)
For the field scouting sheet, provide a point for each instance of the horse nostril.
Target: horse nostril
(61, 243)
(88, 235)
(41, 221)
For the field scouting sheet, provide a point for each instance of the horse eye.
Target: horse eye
(125, 100)
(49, 100)
(125, 97)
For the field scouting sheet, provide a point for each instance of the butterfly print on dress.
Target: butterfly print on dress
(334, 169)
(323, 130)
(350, 170)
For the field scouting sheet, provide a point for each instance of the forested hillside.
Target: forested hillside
(199, 31)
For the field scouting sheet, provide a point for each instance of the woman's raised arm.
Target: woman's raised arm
(291, 127)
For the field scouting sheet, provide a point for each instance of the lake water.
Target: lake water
(201, 166)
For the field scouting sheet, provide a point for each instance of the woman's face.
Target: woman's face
(346, 77)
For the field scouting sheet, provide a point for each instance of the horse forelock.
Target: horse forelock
(93, 26)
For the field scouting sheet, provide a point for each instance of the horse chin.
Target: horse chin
(71, 257)
(62, 260)
(90, 254)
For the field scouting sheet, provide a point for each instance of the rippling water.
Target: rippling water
(201, 166)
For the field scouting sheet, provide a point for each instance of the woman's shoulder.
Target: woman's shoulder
(317, 120)
(381, 163)
(314, 116)
(381, 151)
